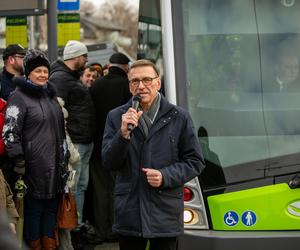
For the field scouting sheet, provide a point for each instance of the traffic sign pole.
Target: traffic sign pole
(52, 29)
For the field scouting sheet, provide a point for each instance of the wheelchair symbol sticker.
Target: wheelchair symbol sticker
(248, 218)
(231, 218)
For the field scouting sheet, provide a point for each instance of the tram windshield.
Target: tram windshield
(241, 60)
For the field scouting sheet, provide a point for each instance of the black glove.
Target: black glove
(19, 167)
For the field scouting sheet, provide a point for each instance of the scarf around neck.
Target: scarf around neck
(148, 117)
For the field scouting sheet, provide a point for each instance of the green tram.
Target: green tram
(234, 64)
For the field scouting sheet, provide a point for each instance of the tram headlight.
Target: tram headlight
(190, 216)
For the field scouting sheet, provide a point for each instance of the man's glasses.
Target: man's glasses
(147, 81)
(19, 56)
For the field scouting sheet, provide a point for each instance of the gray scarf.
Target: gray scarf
(148, 117)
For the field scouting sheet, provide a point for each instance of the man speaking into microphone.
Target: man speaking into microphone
(153, 147)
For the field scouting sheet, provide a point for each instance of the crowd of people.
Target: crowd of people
(72, 126)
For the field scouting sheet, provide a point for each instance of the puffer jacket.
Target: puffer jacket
(171, 147)
(34, 131)
(81, 123)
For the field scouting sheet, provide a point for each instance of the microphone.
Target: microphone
(135, 104)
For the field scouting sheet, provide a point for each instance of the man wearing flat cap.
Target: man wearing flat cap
(13, 57)
(13, 66)
(108, 92)
(65, 75)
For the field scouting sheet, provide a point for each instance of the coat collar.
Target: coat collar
(165, 114)
(37, 91)
(165, 106)
(59, 65)
(114, 70)
(8, 74)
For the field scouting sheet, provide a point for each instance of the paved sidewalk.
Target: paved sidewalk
(107, 246)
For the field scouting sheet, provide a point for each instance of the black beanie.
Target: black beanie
(33, 59)
(119, 58)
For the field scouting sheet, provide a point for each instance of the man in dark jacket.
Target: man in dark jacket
(153, 161)
(107, 92)
(13, 66)
(81, 121)
(13, 57)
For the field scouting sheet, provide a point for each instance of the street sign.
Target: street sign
(68, 28)
(68, 5)
(16, 30)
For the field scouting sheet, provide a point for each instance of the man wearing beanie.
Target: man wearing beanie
(81, 121)
(34, 137)
(107, 92)
(13, 66)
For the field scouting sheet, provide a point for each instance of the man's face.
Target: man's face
(16, 62)
(88, 77)
(288, 69)
(81, 61)
(147, 93)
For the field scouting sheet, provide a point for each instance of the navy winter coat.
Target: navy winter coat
(171, 147)
(34, 131)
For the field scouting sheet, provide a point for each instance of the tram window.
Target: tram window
(233, 50)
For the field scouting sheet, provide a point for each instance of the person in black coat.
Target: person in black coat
(34, 137)
(81, 120)
(13, 66)
(153, 157)
(107, 93)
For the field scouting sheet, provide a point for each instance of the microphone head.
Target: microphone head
(136, 98)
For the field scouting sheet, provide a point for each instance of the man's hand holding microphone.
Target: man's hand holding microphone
(131, 117)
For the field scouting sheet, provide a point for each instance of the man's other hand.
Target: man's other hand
(154, 177)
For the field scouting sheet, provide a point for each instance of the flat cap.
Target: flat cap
(119, 58)
(13, 49)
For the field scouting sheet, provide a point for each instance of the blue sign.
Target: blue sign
(248, 218)
(68, 5)
(231, 218)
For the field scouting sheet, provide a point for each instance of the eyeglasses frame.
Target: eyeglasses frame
(142, 80)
